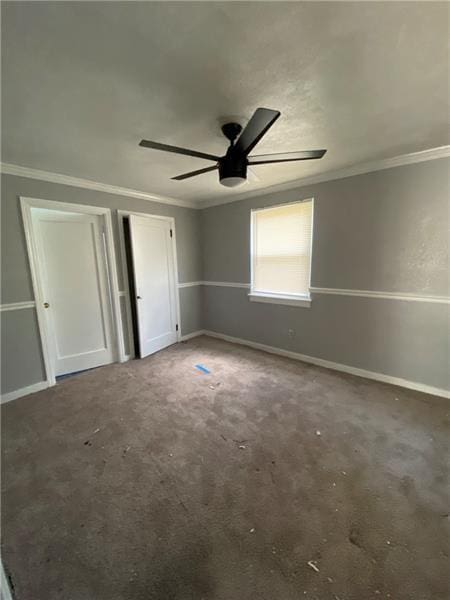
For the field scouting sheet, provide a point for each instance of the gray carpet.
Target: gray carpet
(154, 481)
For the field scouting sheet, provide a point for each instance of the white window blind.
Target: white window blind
(282, 249)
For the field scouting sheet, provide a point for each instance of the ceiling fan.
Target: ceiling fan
(233, 166)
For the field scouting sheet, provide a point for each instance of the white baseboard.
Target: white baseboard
(5, 592)
(30, 389)
(412, 385)
(194, 334)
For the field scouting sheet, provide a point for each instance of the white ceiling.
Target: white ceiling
(83, 82)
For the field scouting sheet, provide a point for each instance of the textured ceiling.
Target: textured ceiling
(83, 82)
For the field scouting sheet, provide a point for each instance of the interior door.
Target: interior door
(75, 284)
(154, 278)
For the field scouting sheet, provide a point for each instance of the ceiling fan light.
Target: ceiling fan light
(232, 181)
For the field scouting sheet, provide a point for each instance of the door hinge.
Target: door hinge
(176, 327)
(171, 234)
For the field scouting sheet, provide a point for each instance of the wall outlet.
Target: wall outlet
(291, 333)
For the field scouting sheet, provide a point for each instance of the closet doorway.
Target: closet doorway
(150, 276)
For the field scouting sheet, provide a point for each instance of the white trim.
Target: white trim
(413, 385)
(126, 213)
(189, 284)
(281, 205)
(358, 169)
(18, 171)
(213, 283)
(194, 334)
(82, 209)
(388, 295)
(406, 296)
(227, 284)
(26, 205)
(17, 306)
(33, 261)
(302, 301)
(29, 389)
(111, 265)
(175, 267)
(5, 591)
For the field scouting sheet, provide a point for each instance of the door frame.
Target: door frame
(126, 281)
(26, 204)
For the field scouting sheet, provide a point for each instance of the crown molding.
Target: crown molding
(358, 169)
(17, 170)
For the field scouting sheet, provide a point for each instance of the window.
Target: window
(281, 253)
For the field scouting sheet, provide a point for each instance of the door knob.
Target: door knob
(46, 304)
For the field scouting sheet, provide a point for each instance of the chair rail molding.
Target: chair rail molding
(404, 296)
(189, 284)
(17, 305)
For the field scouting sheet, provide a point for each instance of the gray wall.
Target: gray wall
(382, 231)
(22, 363)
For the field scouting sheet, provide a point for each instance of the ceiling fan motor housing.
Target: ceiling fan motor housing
(233, 169)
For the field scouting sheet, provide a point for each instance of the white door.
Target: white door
(75, 285)
(154, 278)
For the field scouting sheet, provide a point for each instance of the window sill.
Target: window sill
(287, 299)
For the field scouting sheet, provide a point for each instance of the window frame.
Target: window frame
(301, 300)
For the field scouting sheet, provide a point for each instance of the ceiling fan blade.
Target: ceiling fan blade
(194, 173)
(261, 121)
(264, 159)
(177, 150)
